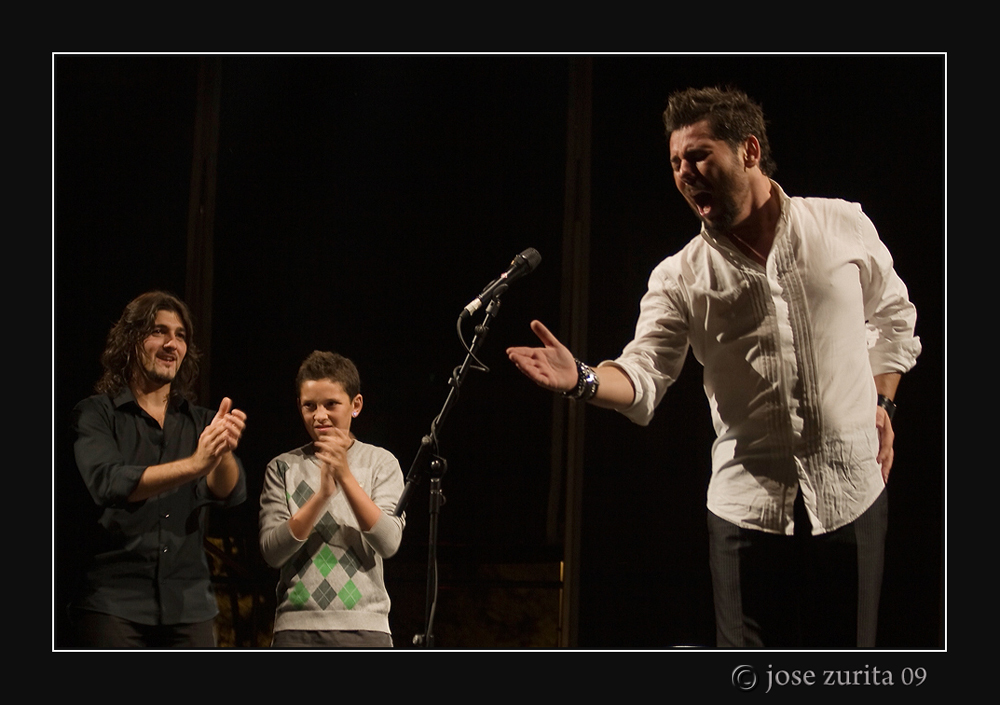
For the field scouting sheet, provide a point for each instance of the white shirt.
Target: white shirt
(789, 353)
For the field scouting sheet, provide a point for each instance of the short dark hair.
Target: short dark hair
(731, 114)
(121, 351)
(329, 365)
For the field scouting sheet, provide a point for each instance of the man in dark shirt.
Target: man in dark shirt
(153, 462)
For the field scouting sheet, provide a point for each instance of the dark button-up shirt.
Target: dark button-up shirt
(147, 559)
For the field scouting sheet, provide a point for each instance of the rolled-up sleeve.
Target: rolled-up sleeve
(890, 317)
(105, 471)
(654, 358)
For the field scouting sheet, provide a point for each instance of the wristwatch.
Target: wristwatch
(887, 404)
(586, 383)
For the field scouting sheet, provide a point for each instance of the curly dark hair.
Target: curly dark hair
(731, 115)
(121, 352)
(329, 365)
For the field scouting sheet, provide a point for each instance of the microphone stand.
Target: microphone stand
(428, 462)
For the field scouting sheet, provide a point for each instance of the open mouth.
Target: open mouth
(702, 201)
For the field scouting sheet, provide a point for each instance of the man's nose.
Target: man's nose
(687, 172)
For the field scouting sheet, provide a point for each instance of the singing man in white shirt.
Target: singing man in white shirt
(793, 308)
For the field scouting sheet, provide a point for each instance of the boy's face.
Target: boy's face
(325, 405)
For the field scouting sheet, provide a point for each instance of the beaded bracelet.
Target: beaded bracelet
(586, 383)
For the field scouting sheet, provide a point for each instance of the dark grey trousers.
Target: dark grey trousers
(95, 630)
(343, 639)
(802, 590)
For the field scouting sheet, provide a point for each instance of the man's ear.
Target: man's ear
(751, 152)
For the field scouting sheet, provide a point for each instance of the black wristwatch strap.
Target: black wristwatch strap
(887, 404)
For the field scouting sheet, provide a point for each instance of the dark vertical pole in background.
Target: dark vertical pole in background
(568, 417)
(201, 213)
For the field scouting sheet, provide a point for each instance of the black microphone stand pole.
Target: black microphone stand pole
(429, 462)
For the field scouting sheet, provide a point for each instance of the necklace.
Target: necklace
(760, 258)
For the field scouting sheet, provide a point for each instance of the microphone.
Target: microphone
(521, 265)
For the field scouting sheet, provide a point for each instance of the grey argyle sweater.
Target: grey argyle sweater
(333, 579)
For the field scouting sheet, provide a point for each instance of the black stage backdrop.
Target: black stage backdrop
(363, 200)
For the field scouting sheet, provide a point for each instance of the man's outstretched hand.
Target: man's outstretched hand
(551, 366)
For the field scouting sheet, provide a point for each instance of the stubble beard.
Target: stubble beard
(726, 199)
(154, 377)
(722, 223)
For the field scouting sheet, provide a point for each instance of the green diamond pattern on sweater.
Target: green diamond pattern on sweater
(325, 560)
(315, 570)
(349, 595)
(299, 595)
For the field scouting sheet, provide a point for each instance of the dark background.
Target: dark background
(364, 200)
